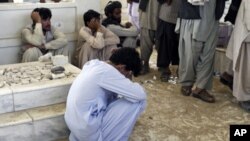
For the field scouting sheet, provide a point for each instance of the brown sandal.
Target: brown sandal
(204, 95)
(186, 90)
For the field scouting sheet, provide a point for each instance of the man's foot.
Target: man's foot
(245, 105)
(144, 70)
(186, 90)
(203, 95)
(165, 75)
(227, 80)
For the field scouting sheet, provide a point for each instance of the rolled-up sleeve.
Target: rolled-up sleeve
(59, 41)
(94, 41)
(34, 37)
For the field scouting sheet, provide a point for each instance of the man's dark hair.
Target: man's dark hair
(128, 57)
(45, 13)
(89, 15)
(111, 6)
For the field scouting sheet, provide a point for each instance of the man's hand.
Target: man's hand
(129, 75)
(36, 17)
(96, 24)
(128, 24)
(42, 46)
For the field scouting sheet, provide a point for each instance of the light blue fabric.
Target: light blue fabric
(94, 112)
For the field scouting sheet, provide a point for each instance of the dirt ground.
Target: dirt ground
(170, 116)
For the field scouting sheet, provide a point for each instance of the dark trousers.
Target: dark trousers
(167, 42)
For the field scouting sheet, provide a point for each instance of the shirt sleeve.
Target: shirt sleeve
(95, 41)
(123, 32)
(119, 84)
(34, 37)
(110, 38)
(59, 41)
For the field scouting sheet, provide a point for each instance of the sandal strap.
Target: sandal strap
(205, 96)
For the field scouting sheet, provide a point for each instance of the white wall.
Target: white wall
(67, 16)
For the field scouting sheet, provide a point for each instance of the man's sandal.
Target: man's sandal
(204, 96)
(186, 90)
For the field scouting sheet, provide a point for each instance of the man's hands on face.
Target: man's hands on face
(129, 75)
(96, 24)
(36, 17)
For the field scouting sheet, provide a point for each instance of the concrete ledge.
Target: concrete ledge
(37, 124)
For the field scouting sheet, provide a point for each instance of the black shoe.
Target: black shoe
(245, 105)
(165, 76)
(145, 69)
(227, 80)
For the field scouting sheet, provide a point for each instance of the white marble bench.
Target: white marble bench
(19, 95)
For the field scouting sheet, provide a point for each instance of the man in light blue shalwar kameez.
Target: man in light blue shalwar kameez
(103, 104)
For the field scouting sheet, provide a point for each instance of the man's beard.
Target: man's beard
(118, 20)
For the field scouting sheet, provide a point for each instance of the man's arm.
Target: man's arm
(117, 83)
(123, 32)
(59, 41)
(95, 42)
(110, 38)
(34, 38)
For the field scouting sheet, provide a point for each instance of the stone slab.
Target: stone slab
(25, 98)
(49, 122)
(15, 118)
(22, 132)
(6, 100)
(24, 90)
(50, 129)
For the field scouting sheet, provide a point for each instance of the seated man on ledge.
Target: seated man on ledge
(103, 103)
(94, 40)
(40, 37)
(127, 33)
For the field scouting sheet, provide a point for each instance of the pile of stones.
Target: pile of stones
(31, 74)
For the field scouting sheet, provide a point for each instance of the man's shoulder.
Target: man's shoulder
(54, 28)
(94, 63)
(97, 67)
(109, 21)
(28, 27)
(98, 64)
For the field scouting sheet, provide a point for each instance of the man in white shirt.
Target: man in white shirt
(103, 104)
(41, 37)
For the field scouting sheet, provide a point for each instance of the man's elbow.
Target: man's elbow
(64, 41)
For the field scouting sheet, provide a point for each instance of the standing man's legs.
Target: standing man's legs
(187, 56)
(205, 65)
(167, 48)
(120, 118)
(196, 62)
(147, 42)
